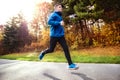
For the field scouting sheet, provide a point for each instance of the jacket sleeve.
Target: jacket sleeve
(52, 21)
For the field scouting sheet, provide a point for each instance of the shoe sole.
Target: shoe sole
(73, 68)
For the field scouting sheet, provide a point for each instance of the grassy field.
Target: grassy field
(93, 55)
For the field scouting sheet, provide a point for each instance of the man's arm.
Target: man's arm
(51, 21)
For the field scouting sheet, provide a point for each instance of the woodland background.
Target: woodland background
(89, 23)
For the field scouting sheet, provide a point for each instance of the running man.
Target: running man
(57, 35)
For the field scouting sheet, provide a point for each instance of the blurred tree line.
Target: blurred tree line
(15, 35)
(88, 23)
(91, 22)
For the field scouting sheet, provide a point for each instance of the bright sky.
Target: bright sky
(9, 8)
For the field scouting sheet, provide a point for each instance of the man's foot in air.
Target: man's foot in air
(41, 55)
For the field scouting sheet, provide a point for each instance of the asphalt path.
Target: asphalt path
(25, 70)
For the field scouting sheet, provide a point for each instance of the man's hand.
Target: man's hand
(62, 23)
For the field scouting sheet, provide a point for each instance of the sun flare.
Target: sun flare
(10, 8)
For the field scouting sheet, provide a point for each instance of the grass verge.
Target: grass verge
(82, 56)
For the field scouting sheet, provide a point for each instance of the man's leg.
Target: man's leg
(53, 42)
(63, 43)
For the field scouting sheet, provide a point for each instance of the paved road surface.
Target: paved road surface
(25, 70)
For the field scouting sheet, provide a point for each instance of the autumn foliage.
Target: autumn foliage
(92, 25)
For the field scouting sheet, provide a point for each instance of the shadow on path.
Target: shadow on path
(83, 76)
(51, 77)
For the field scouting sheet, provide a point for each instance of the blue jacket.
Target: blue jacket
(56, 30)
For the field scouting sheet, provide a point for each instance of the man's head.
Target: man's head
(58, 7)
